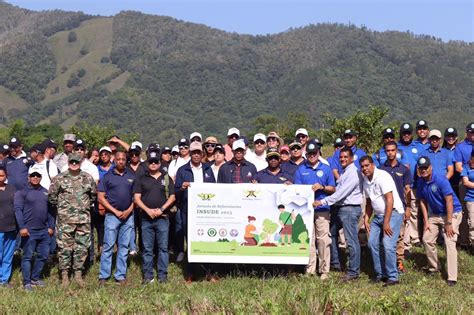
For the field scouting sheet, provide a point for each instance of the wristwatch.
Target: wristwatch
(449, 222)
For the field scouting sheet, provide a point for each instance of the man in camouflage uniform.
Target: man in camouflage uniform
(73, 192)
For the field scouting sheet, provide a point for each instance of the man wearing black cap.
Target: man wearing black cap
(165, 158)
(379, 157)
(154, 194)
(51, 148)
(296, 158)
(422, 131)
(338, 144)
(68, 145)
(46, 168)
(184, 157)
(17, 165)
(449, 143)
(273, 174)
(4, 154)
(444, 216)
(350, 140)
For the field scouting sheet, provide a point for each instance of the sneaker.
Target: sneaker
(121, 282)
(347, 278)
(38, 283)
(162, 280)
(28, 287)
(6, 285)
(133, 253)
(188, 279)
(180, 257)
(212, 278)
(391, 282)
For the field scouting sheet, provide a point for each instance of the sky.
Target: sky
(448, 20)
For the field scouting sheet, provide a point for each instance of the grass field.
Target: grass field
(256, 292)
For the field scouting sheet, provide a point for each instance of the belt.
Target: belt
(343, 206)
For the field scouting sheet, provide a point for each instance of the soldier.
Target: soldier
(73, 193)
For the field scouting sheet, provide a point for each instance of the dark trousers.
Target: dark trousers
(38, 241)
(155, 232)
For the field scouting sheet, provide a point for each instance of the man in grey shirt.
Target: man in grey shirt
(346, 213)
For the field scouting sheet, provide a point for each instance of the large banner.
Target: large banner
(250, 223)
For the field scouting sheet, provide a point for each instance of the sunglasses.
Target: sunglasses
(423, 168)
(233, 136)
(35, 176)
(295, 148)
(261, 142)
(134, 154)
(184, 147)
(80, 149)
(154, 162)
(271, 139)
(301, 136)
(73, 162)
(209, 145)
(273, 157)
(285, 152)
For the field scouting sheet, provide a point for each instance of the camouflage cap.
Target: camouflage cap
(74, 157)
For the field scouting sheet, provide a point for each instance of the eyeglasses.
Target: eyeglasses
(210, 145)
(271, 139)
(184, 147)
(261, 142)
(301, 136)
(233, 136)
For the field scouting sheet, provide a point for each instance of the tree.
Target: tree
(81, 73)
(369, 126)
(94, 136)
(269, 227)
(303, 239)
(298, 228)
(71, 37)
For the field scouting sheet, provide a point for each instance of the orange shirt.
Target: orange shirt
(249, 229)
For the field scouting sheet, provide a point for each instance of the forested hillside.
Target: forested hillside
(163, 78)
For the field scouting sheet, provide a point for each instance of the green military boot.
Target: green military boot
(65, 278)
(78, 278)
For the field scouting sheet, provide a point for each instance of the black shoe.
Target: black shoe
(391, 282)
(379, 279)
(347, 278)
(335, 268)
(451, 283)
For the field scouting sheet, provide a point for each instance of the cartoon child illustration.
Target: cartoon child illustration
(250, 232)
(286, 220)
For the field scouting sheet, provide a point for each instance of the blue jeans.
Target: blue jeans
(346, 217)
(38, 241)
(181, 229)
(135, 231)
(155, 232)
(115, 230)
(383, 248)
(7, 249)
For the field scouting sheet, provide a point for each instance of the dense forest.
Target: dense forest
(162, 78)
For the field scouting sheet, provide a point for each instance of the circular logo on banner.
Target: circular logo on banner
(319, 173)
(222, 232)
(434, 188)
(200, 232)
(212, 232)
(234, 232)
(414, 150)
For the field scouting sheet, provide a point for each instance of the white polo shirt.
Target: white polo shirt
(381, 183)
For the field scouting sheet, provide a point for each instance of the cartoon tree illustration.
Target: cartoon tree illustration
(303, 237)
(298, 228)
(269, 227)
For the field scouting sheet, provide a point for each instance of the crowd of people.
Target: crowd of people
(83, 203)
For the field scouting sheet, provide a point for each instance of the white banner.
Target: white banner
(250, 223)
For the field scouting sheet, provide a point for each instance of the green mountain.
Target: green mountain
(163, 78)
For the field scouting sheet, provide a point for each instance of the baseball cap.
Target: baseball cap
(211, 139)
(406, 127)
(153, 156)
(153, 147)
(233, 131)
(15, 142)
(38, 147)
(295, 143)
(183, 142)
(175, 149)
(450, 131)
(421, 124)
(136, 146)
(284, 148)
(4, 148)
(105, 148)
(238, 144)
(195, 146)
(388, 132)
(338, 143)
(349, 132)
(273, 152)
(220, 148)
(74, 157)
(301, 131)
(274, 135)
(470, 127)
(166, 149)
(196, 134)
(80, 144)
(423, 161)
(313, 146)
(69, 137)
(33, 171)
(49, 143)
(259, 136)
(435, 133)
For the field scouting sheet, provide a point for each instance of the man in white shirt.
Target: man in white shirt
(184, 157)
(259, 156)
(384, 202)
(47, 168)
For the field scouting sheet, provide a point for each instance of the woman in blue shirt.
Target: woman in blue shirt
(468, 181)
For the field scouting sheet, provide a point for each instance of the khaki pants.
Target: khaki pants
(470, 213)
(321, 239)
(436, 223)
(411, 234)
(401, 243)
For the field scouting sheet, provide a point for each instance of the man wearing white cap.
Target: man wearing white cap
(238, 169)
(302, 136)
(195, 136)
(441, 158)
(68, 145)
(258, 157)
(184, 157)
(232, 135)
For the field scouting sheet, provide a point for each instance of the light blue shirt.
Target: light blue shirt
(348, 189)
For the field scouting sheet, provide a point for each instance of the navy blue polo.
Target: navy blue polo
(322, 174)
(401, 176)
(290, 167)
(118, 188)
(434, 192)
(267, 177)
(380, 157)
(440, 160)
(32, 210)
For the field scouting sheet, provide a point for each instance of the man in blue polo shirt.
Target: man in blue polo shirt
(441, 158)
(462, 153)
(441, 214)
(379, 157)
(115, 194)
(338, 144)
(350, 140)
(273, 174)
(467, 176)
(17, 165)
(422, 131)
(319, 175)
